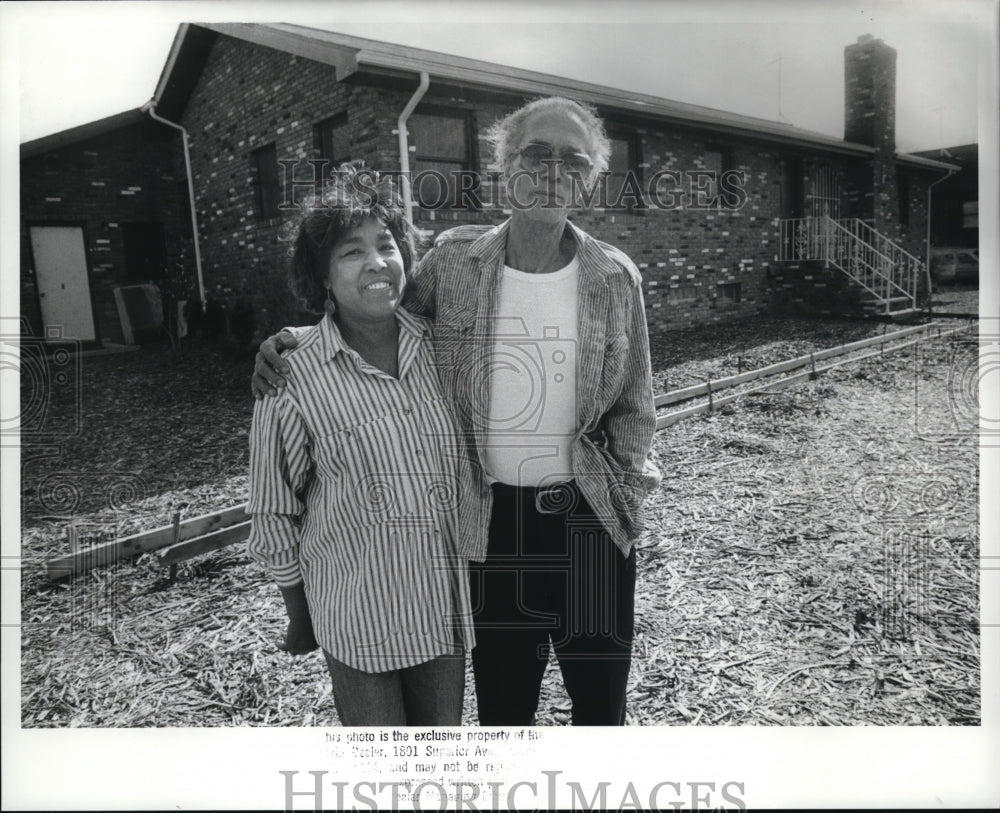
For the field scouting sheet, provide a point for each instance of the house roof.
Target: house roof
(364, 58)
(29, 149)
(967, 155)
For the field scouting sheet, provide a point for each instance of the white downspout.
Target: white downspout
(404, 147)
(150, 107)
(927, 269)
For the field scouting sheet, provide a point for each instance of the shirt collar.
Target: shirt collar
(410, 329)
(491, 246)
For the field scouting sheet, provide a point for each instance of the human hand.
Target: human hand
(269, 370)
(299, 638)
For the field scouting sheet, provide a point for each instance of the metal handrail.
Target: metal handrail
(886, 277)
(875, 262)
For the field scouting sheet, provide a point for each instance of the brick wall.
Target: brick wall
(131, 175)
(807, 288)
(692, 260)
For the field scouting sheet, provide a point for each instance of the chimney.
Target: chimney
(870, 94)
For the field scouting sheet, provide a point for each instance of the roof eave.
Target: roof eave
(382, 64)
(82, 132)
(926, 163)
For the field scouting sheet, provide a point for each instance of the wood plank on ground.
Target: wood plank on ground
(204, 544)
(128, 547)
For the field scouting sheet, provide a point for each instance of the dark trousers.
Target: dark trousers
(552, 573)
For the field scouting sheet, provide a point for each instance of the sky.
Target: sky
(79, 62)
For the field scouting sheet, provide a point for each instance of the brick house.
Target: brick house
(103, 205)
(824, 225)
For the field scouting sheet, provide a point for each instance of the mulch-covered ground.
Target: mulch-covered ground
(810, 557)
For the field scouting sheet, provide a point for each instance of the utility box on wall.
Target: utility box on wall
(140, 308)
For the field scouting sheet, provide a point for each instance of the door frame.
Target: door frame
(76, 224)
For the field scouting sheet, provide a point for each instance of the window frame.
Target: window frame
(324, 128)
(725, 153)
(633, 142)
(469, 162)
(729, 293)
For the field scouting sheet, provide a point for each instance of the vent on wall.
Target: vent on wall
(140, 309)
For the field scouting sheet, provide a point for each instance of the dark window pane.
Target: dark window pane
(266, 159)
(333, 144)
(622, 161)
(436, 183)
(439, 136)
(728, 291)
(441, 144)
(621, 157)
(145, 251)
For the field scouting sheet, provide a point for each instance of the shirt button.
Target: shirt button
(407, 410)
(420, 451)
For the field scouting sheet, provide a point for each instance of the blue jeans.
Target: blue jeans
(427, 694)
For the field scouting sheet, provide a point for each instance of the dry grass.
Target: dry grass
(772, 589)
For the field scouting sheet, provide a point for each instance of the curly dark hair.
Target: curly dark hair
(352, 195)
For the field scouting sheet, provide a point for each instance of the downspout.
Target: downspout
(927, 269)
(150, 107)
(404, 147)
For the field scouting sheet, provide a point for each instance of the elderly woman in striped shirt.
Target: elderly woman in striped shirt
(356, 473)
(543, 353)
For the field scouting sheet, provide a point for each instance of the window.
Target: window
(331, 140)
(824, 192)
(145, 251)
(903, 196)
(792, 188)
(624, 190)
(970, 214)
(728, 292)
(682, 293)
(268, 193)
(716, 160)
(442, 143)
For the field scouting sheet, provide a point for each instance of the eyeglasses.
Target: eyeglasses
(535, 157)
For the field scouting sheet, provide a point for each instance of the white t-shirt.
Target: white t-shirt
(532, 411)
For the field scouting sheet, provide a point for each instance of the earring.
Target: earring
(330, 305)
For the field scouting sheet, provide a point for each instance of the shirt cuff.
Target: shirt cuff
(274, 540)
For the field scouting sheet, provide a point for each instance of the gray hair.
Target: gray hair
(505, 134)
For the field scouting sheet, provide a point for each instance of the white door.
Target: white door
(63, 286)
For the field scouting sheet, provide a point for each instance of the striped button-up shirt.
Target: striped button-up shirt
(356, 484)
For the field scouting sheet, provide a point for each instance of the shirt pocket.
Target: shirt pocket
(371, 471)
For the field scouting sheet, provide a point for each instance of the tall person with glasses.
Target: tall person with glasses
(543, 353)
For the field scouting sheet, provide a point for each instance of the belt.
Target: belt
(558, 498)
